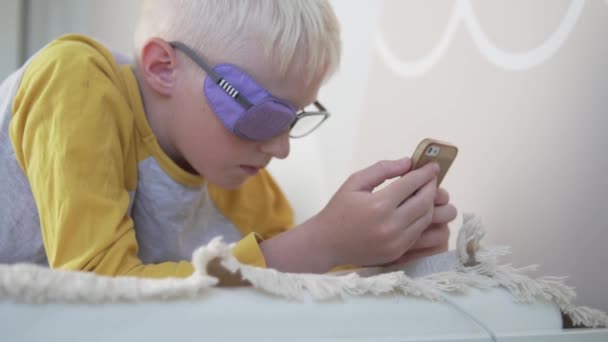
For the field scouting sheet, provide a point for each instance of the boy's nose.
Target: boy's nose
(278, 147)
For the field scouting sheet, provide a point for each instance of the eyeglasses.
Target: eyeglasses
(247, 109)
(308, 121)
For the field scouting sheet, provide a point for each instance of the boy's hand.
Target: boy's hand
(362, 227)
(434, 239)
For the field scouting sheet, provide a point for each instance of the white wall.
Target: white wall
(519, 86)
(110, 21)
(10, 14)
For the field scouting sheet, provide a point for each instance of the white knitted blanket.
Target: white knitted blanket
(471, 266)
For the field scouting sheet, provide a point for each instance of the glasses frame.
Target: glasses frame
(242, 99)
(321, 111)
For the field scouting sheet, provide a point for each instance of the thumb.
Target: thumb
(369, 178)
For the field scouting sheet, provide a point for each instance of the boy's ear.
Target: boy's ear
(157, 65)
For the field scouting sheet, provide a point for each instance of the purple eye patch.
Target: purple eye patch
(264, 117)
(245, 108)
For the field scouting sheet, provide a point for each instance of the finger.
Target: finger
(433, 236)
(442, 197)
(369, 178)
(413, 255)
(415, 230)
(407, 185)
(416, 214)
(417, 205)
(444, 214)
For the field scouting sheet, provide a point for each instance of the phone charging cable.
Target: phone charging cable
(470, 316)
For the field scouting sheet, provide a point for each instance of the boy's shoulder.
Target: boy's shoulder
(74, 44)
(71, 52)
(74, 75)
(74, 66)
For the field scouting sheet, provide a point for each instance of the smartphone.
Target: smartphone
(434, 150)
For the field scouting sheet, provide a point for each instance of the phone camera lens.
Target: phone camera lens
(432, 151)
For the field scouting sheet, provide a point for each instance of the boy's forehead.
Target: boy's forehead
(293, 85)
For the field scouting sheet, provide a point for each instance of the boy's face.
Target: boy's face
(206, 146)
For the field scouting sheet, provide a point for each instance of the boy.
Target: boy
(126, 169)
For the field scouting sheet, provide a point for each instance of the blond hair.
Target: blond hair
(284, 30)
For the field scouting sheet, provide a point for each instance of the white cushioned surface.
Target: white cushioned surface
(247, 314)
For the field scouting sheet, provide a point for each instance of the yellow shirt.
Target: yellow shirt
(109, 200)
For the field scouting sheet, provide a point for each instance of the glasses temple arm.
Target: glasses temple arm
(222, 83)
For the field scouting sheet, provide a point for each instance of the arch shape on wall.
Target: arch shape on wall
(463, 13)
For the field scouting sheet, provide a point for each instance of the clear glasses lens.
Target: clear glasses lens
(306, 124)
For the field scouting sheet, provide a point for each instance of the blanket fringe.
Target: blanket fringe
(477, 268)
(36, 284)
